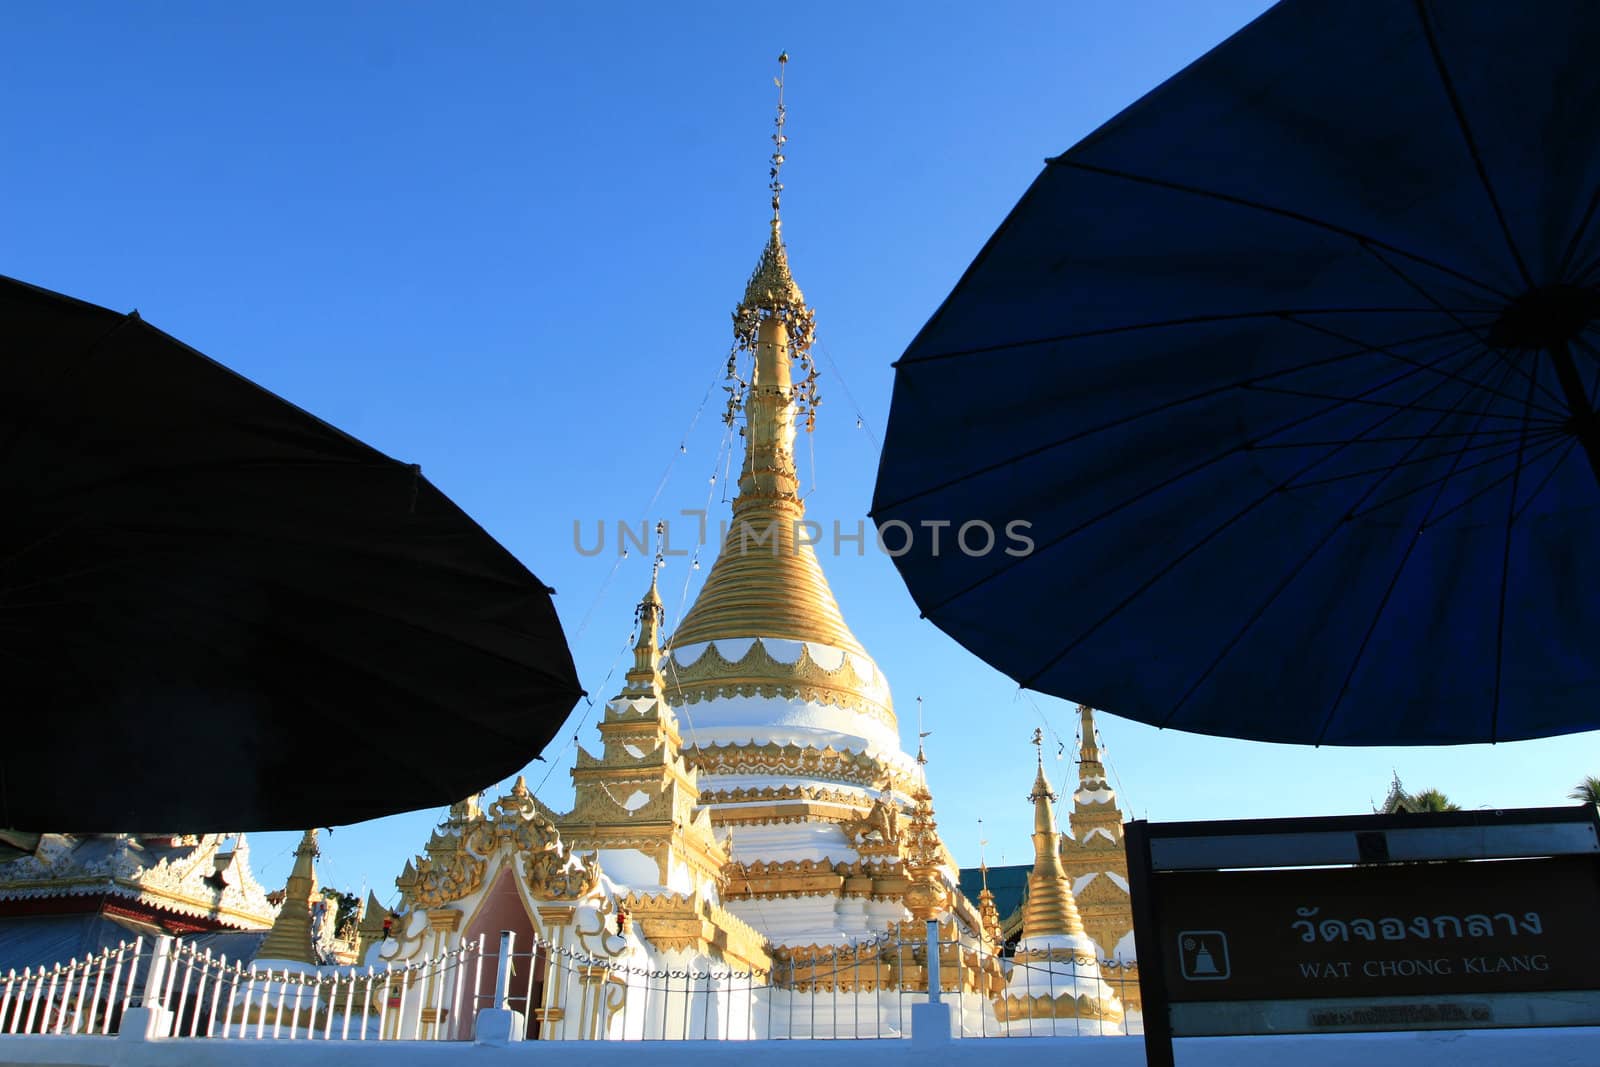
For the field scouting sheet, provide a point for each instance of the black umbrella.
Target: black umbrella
(1291, 367)
(218, 612)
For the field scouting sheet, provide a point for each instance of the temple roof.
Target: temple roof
(193, 875)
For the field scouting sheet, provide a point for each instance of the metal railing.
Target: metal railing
(204, 995)
(865, 990)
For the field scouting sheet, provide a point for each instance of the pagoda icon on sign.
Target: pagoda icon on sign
(1204, 955)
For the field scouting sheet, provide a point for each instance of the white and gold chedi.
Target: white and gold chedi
(751, 808)
(1055, 971)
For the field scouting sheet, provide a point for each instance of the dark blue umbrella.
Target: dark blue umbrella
(1290, 369)
(219, 612)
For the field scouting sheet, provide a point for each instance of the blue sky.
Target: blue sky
(502, 241)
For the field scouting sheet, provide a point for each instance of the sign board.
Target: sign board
(1454, 920)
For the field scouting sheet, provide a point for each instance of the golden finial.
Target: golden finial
(922, 758)
(1041, 785)
(772, 295)
(778, 141)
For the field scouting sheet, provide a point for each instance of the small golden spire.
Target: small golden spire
(988, 913)
(1050, 909)
(1091, 768)
(927, 894)
(291, 937)
(645, 674)
(1096, 819)
(370, 930)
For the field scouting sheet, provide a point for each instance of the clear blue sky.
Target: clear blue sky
(502, 241)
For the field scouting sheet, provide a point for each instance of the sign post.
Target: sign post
(1383, 922)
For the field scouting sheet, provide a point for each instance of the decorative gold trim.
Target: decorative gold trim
(796, 761)
(774, 880)
(899, 965)
(458, 854)
(1062, 1006)
(676, 921)
(446, 919)
(759, 673)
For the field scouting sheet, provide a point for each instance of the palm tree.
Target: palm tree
(1432, 800)
(1587, 791)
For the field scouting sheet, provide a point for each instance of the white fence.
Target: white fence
(867, 990)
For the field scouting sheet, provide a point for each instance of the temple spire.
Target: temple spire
(291, 937)
(1050, 910)
(1089, 762)
(645, 675)
(988, 913)
(767, 581)
(1094, 809)
(926, 897)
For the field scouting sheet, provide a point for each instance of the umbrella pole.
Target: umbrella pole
(1584, 423)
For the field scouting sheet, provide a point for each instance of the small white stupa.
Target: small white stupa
(1055, 985)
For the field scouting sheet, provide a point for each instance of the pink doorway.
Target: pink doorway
(502, 909)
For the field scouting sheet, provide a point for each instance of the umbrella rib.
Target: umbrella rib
(1191, 320)
(1288, 579)
(1429, 458)
(1505, 582)
(1242, 383)
(1417, 287)
(1475, 465)
(1445, 478)
(1327, 332)
(1296, 216)
(1159, 486)
(1205, 540)
(1394, 439)
(1391, 404)
(1490, 487)
(1388, 593)
(1472, 145)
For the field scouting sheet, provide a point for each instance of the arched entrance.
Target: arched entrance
(502, 909)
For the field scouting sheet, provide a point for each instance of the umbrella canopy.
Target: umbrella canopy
(219, 612)
(1290, 370)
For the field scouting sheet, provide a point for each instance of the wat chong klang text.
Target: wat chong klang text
(1493, 928)
(1425, 928)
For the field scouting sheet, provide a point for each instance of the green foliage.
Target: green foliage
(1399, 801)
(348, 904)
(1587, 791)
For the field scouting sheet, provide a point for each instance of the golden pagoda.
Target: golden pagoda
(784, 715)
(1055, 971)
(292, 938)
(750, 811)
(1096, 860)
